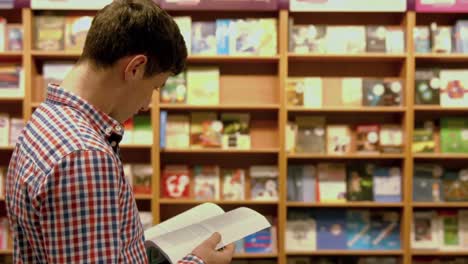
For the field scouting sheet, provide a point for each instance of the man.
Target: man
(67, 198)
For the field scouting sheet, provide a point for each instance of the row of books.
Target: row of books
(345, 39)
(441, 38)
(452, 138)
(264, 241)
(329, 229)
(310, 134)
(196, 86)
(440, 260)
(11, 81)
(339, 182)
(205, 130)
(11, 36)
(10, 129)
(56, 32)
(249, 36)
(440, 230)
(213, 183)
(138, 130)
(139, 177)
(434, 183)
(444, 87)
(317, 92)
(342, 260)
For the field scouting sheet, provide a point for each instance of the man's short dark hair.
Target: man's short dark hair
(130, 27)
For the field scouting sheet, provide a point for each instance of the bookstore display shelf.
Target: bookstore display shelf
(136, 146)
(345, 156)
(369, 204)
(60, 54)
(243, 107)
(388, 109)
(347, 253)
(143, 196)
(437, 108)
(221, 151)
(11, 55)
(6, 251)
(442, 57)
(440, 204)
(370, 57)
(11, 99)
(6, 148)
(255, 255)
(220, 202)
(442, 253)
(230, 58)
(441, 156)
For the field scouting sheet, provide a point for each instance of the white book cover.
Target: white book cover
(454, 88)
(4, 130)
(395, 40)
(301, 235)
(332, 182)
(69, 4)
(348, 6)
(336, 39)
(291, 132)
(207, 182)
(313, 92)
(425, 233)
(351, 91)
(175, 238)
(185, 26)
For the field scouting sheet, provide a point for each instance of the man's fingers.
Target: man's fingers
(228, 250)
(213, 240)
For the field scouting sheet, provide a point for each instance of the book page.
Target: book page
(189, 217)
(232, 226)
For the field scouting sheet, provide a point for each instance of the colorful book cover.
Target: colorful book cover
(127, 138)
(76, 30)
(264, 183)
(422, 39)
(295, 91)
(203, 85)
(260, 242)
(310, 134)
(176, 182)
(16, 127)
(373, 92)
(234, 184)
(308, 39)
(454, 88)
(50, 33)
(391, 139)
(4, 129)
(175, 90)
(11, 81)
(427, 87)
(222, 36)
(338, 139)
(441, 38)
(454, 135)
(253, 37)
(301, 183)
(177, 131)
(449, 231)
(425, 234)
(205, 130)
(203, 38)
(14, 38)
(385, 231)
(392, 95)
(207, 183)
(331, 182)
(351, 92)
(185, 27)
(301, 232)
(367, 138)
(142, 175)
(455, 185)
(236, 130)
(376, 39)
(358, 227)
(331, 229)
(427, 183)
(395, 40)
(360, 182)
(387, 184)
(143, 133)
(423, 137)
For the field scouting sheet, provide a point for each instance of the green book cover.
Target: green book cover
(423, 137)
(175, 90)
(454, 135)
(451, 237)
(143, 133)
(360, 182)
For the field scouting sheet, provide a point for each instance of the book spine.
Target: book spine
(162, 129)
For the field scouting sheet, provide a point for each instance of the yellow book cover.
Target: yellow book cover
(76, 29)
(203, 85)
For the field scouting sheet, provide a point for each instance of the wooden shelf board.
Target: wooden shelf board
(221, 151)
(344, 205)
(6, 252)
(388, 109)
(143, 196)
(35, 105)
(442, 57)
(135, 146)
(233, 58)
(11, 99)
(440, 156)
(440, 204)
(219, 107)
(371, 57)
(11, 54)
(255, 255)
(6, 148)
(345, 156)
(437, 108)
(440, 253)
(60, 54)
(347, 253)
(189, 201)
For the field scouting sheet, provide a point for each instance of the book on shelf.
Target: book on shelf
(346, 39)
(422, 39)
(449, 231)
(427, 87)
(162, 129)
(385, 230)
(175, 90)
(351, 92)
(331, 229)
(358, 227)
(376, 39)
(373, 92)
(169, 242)
(128, 173)
(427, 183)
(203, 38)
(16, 127)
(441, 38)
(185, 27)
(454, 88)
(367, 139)
(360, 182)
(301, 234)
(4, 129)
(332, 92)
(236, 130)
(3, 32)
(14, 37)
(233, 184)
(455, 185)
(392, 95)
(264, 183)
(461, 36)
(49, 32)
(177, 131)
(253, 37)
(223, 27)
(76, 30)
(142, 175)
(205, 130)
(291, 135)
(142, 133)
(463, 227)
(423, 137)
(11, 81)
(301, 181)
(453, 135)
(306, 39)
(331, 182)
(207, 182)
(395, 40)
(304, 91)
(310, 134)
(391, 139)
(425, 231)
(387, 184)
(203, 86)
(338, 139)
(263, 241)
(176, 181)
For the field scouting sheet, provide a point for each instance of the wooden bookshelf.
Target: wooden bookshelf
(436, 205)
(233, 59)
(220, 202)
(441, 156)
(255, 255)
(440, 253)
(354, 156)
(241, 107)
(220, 151)
(442, 57)
(4, 252)
(143, 196)
(390, 109)
(6, 148)
(9, 55)
(438, 109)
(367, 57)
(344, 205)
(347, 253)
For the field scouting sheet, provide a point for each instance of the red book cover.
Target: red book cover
(176, 182)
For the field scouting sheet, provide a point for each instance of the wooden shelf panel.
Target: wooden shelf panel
(143, 196)
(229, 58)
(136, 146)
(344, 205)
(11, 99)
(442, 57)
(60, 54)
(4, 252)
(345, 156)
(8, 55)
(389, 109)
(440, 204)
(242, 107)
(255, 255)
(220, 151)
(347, 253)
(440, 156)
(6, 148)
(193, 202)
(367, 57)
(437, 108)
(440, 253)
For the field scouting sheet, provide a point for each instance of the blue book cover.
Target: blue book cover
(204, 38)
(387, 184)
(385, 231)
(260, 242)
(222, 36)
(331, 229)
(162, 129)
(309, 179)
(358, 227)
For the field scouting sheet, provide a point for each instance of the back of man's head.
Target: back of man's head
(130, 27)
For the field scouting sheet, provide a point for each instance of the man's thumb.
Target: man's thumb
(214, 239)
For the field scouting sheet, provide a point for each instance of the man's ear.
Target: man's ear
(135, 67)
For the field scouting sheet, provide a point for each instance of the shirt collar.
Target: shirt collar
(101, 121)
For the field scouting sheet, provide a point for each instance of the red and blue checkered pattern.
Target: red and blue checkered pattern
(67, 198)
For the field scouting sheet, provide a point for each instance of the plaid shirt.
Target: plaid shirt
(67, 198)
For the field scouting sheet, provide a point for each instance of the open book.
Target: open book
(178, 236)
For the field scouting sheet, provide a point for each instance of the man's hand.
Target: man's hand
(206, 251)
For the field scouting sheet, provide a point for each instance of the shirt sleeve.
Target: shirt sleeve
(191, 259)
(80, 213)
